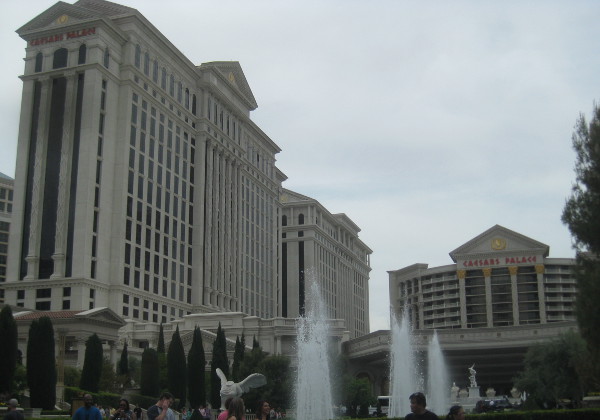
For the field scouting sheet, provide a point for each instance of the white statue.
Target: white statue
(232, 389)
(454, 392)
(472, 373)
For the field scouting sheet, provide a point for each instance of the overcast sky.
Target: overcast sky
(425, 122)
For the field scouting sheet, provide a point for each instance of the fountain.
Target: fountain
(403, 367)
(313, 389)
(405, 373)
(437, 377)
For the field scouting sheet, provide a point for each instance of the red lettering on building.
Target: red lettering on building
(496, 261)
(60, 37)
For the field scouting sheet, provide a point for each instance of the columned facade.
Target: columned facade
(499, 279)
(323, 247)
(143, 184)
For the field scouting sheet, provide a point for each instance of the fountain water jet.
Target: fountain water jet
(403, 367)
(438, 383)
(313, 389)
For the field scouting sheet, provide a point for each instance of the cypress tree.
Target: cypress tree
(238, 357)
(123, 362)
(41, 368)
(196, 369)
(161, 340)
(176, 368)
(219, 360)
(8, 349)
(92, 364)
(163, 381)
(255, 343)
(148, 377)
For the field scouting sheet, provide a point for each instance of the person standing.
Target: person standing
(236, 409)
(123, 412)
(418, 410)
(225, 413)
(138, 414)
(456, 413)
(161, 410)
(12, 412)
(263, 411)
(88, 411)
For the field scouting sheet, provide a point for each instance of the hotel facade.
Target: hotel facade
(501, 295)
(143, 185)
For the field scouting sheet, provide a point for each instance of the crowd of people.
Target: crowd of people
(235, 409)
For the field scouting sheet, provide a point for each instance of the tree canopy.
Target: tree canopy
(92, 364)
(196, 363)
(8, 349)
(219, 360)
(176, 368)
(41, 360)
(558, 369)
(149, 380)
(582, 215)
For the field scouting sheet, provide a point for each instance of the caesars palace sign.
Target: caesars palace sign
(62, 36)
(508, 260)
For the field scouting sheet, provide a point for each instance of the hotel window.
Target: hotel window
(39, 61)
(82, 54)
(60, 58)
(155, 71)
(147, 64)
(138, 56)
(106, 60)
(42, 306)
(43, 293)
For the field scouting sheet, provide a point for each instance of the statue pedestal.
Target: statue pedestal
(474, 392)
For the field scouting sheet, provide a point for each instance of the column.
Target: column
(238, 235)
(80, 352)
(461, 274)
(213, 227)
(113, 352)
(208, 227)
(515, 293)
(222, 225)
(60, 365)
(540, 269)
(62, 211)
(41, 140)
(487, 273)
(419, 305)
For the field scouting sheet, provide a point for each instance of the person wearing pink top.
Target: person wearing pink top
(225, 413)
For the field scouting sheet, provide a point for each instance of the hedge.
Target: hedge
(578, 414)
(105, 399)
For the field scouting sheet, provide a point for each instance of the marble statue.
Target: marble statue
(472, 373)
(233, 389)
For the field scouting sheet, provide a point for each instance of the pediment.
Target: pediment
(57, 16)
(233, 73)
(102, 315)
(64, 14)
(208, 338)
(500, 241)
(289, 196)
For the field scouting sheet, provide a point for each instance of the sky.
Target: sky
(426, 123)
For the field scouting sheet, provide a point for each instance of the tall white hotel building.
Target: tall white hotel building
(143, 185)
